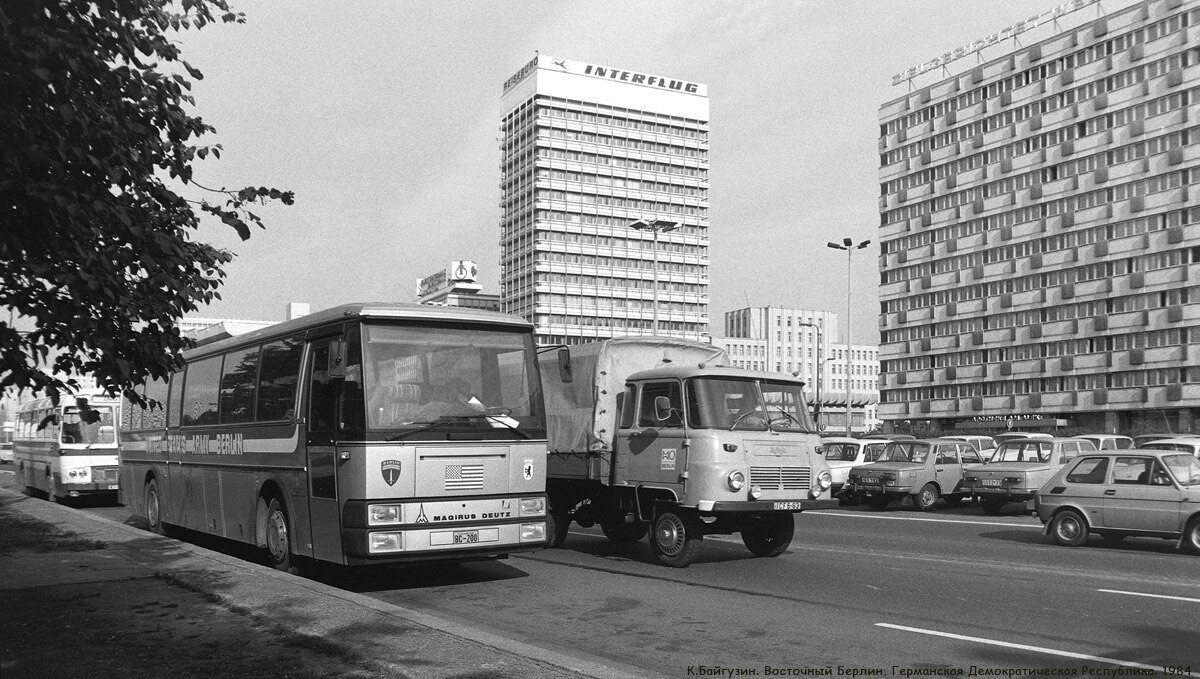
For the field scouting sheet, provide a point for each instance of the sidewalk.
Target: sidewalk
(113, 600)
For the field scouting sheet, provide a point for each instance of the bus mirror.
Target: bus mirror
(662, 408)
(564, 366)
(337, 359)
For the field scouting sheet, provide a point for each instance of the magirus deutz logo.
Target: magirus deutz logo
(391, 471)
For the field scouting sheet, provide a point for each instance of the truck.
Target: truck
(658, 436)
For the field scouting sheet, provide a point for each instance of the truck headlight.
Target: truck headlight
(736, 480)
(825, 479)
(378, 515)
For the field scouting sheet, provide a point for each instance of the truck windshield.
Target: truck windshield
(425, 380)
(747, 404)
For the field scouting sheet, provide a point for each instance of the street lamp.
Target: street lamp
(817, 405)
(654, 226)
(848, 245)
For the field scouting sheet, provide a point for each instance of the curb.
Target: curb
(265, 592)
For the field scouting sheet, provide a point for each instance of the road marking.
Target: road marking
(1152, 596)
(1034, 649)
(859, 515)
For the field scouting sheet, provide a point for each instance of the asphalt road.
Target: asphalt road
(900, 592)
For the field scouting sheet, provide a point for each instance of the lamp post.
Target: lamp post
(817, 405)
(849, 246)
(654, 226)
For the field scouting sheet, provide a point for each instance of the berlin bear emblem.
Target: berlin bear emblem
(391, 471)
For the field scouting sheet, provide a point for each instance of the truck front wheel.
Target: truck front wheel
(769, 535)
(676, 538)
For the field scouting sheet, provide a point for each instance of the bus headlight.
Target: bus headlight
(736, 480)
(533, 506)
(378, 515)
(79, 475)
(386, 542)
(533, 532)
(755, 492)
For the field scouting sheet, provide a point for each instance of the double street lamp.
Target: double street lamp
(849, 246)
(655, 226)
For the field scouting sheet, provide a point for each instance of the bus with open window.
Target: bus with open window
(365, 433)
(67, 450)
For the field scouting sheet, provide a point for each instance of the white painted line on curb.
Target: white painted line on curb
(1152, 596)
(1034, 649)
(859, 515)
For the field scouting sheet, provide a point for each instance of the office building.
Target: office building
(806, 343)
(456, 285)
(1039, 230)
(589, 154)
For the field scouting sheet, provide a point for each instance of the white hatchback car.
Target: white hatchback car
(842, 453)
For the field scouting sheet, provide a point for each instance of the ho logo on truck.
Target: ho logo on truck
(391, 471)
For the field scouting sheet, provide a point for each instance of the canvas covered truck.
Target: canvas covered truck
(656, 435)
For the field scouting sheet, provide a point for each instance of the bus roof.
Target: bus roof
(361, 310)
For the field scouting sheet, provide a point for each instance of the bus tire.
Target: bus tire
(153, 500)
(279, 537)
(676, 538)
(769, 535)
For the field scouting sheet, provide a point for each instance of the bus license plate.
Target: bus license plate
(788, 505)
(462, 537)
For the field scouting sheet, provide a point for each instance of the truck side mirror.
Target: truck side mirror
(564, 366)
(337, 359)
(662, 408)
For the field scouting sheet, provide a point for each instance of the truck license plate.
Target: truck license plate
(462, 537)
(991, 482)
(788, 505)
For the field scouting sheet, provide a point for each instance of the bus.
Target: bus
(6, 443)
(68, 450)
(363, 434)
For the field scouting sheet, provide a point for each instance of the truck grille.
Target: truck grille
(781, 478)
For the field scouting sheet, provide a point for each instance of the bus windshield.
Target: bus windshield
(92, 426)
(732, 403)
(423, 379)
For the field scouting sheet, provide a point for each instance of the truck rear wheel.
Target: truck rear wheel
(621, 532)
(676, 539)
(769, 535)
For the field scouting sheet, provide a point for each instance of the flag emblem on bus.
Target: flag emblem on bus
(391, 471)
(464, 477)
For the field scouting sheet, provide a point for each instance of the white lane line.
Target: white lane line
(1152, 596)
(1034, 649)
(859, 515)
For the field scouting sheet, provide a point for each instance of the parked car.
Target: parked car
(922, 469)
(1119, 494)
(1190, 445)
(984, 445)
(842, 453)
(1146, 438)
(1108, 441)
(1010, 435)
(1019, 468)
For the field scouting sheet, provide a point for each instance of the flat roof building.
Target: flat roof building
(1040, 261)
(587, 152)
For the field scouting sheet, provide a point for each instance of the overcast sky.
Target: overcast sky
(383, 117)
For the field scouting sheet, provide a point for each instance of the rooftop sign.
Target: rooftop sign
(993, 39)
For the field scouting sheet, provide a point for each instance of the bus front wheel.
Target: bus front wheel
(154, 507)
(279, 539)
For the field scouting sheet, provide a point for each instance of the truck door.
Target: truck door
(656, 453)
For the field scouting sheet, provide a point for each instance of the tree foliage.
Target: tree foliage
(96, 148)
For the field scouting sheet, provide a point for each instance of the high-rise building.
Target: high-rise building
(1040, 240)
(806, 343)
(591, 153)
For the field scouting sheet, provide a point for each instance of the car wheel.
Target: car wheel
(676, 538)
(926, 497)
(621, 532)
(1191, 536)
(769, 535)
(992, 507)
(1068, 528)
(279, 537)
(878, 502)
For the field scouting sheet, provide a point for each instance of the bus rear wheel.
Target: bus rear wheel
(278, 537)
(154, 507)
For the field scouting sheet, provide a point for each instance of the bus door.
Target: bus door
(324, 392)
